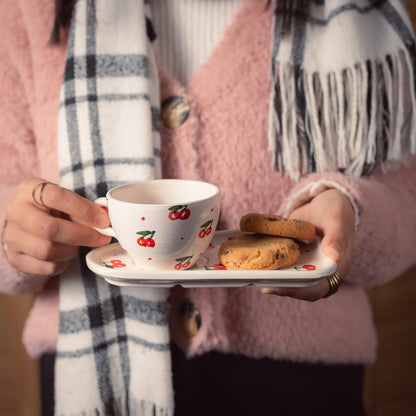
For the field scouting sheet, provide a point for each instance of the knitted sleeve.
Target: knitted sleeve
(18, 155)
(385, 205)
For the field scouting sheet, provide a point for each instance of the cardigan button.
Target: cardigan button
(190, 319)
(175, 111)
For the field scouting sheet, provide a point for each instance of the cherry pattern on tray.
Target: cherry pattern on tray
(218, 266)
(114, 264)
(305, 267)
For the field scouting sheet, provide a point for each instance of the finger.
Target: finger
(333, 229)
(34, 246)
(310, 293)
(338, 244)
(78, 208)
(31, 265)
(58, 230)
(334, 242)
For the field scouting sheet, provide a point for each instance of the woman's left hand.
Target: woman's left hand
(333, 215)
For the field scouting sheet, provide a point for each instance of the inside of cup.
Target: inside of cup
(164, 191)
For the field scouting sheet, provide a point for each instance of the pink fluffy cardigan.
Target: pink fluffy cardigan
(224, 141)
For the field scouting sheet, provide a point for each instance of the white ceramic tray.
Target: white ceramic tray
(114, 265)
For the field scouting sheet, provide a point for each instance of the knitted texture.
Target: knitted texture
(187, 31)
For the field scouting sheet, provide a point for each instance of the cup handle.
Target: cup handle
(108, 230)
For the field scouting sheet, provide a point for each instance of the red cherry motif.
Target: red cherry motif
(185, 214)
(206, 229)
(179, 212)
(183, 262)
(309, 267)
(114, 264)
(146, 238)
(218, 266)
(173, 215)
(142, 241)
(117, 263)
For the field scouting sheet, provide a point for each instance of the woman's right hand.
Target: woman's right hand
(42, 239)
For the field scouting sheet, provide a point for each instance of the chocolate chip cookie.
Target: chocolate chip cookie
(278, 226)
(258, 252)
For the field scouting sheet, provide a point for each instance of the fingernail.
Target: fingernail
(334, 251)
(102, 220)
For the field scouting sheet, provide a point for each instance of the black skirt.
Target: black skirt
(224, 384)
(217, 384)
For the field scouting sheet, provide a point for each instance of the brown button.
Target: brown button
(175, 111)
(190, 318)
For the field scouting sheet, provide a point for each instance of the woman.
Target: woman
(336, 153)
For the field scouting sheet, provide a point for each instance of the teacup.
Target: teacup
(163, 224)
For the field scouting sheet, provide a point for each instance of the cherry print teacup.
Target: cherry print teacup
(163, 224)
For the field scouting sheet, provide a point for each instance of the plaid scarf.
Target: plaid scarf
(343, 87)
(113, 354)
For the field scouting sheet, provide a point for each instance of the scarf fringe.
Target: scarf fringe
(352, 120)
(122, 406)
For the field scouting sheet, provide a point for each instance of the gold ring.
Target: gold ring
(334, 283)
(41, 187)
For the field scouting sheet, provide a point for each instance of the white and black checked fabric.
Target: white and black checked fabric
(343, 87)
(109, 104)
(113, 355)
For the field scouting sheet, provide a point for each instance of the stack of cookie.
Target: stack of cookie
(272, 246)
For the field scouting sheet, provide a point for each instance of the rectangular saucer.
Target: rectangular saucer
(114, 265)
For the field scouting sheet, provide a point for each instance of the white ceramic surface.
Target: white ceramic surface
(163, 224)
(114, 265)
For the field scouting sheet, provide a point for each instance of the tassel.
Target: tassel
(353, 120)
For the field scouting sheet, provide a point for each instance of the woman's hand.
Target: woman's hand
(42, 239)
(333, 216)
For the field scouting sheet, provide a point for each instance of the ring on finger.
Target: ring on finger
(334, 283)
(41, 187)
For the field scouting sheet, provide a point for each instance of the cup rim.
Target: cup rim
(215, 191)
